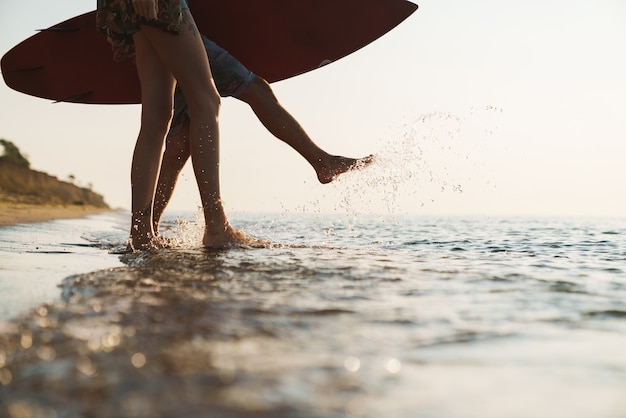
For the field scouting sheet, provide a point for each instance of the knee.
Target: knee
(156, 118)
(259, 93)
(208, 105)
(263, 87)
(214, 102)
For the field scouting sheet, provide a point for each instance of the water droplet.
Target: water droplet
(352, 364)
(86, 366)
(138, 360)
(94, 344)
(27, 340)
(393, 365)
(5, 377)
(110, 341)
(46, 353)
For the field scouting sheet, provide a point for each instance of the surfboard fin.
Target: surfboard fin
(74, 98)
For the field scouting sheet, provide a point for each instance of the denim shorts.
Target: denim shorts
(231, 79)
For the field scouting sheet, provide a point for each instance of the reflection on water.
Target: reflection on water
(34, 258)
(371, 318)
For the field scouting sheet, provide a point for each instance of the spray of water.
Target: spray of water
(437, 155)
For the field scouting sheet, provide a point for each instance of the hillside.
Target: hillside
(20, 184)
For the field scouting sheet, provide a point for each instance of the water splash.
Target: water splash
(187, 233)
(438, 154)
(437, 157)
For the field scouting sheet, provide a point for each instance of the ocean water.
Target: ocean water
(35, 258)
(344, 316)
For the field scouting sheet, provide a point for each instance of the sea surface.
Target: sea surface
(343, 316)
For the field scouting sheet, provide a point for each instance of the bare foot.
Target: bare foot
(143, 237)
(145, 243)
(226, 236)
(336, 165)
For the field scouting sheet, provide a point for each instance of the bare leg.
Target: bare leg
(184, 56)
(157, 89)
(281, 124)
(278, 121)
(176, 154)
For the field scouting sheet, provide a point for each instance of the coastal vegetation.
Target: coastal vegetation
(22, 185)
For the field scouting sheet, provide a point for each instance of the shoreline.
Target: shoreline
(21, 213)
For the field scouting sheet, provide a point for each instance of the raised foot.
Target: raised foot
(337, 165)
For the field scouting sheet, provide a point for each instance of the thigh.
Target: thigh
(185, 58)
(157, 82)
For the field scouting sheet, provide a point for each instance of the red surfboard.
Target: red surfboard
(276, 39)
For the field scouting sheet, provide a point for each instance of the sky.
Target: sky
(488, 108)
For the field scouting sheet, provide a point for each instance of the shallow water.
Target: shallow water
(342, 317)
(35, 258)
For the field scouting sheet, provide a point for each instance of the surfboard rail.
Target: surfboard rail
(276, 39)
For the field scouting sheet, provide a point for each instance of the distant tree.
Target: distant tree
(71, 178)
(13, 154)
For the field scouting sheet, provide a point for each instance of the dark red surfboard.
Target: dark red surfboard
(276, 39)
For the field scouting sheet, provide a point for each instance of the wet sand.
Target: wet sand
(142, 341)
(17, 213)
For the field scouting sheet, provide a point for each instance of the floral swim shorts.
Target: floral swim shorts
(118, 21)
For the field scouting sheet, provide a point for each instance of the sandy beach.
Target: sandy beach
(16, 213)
